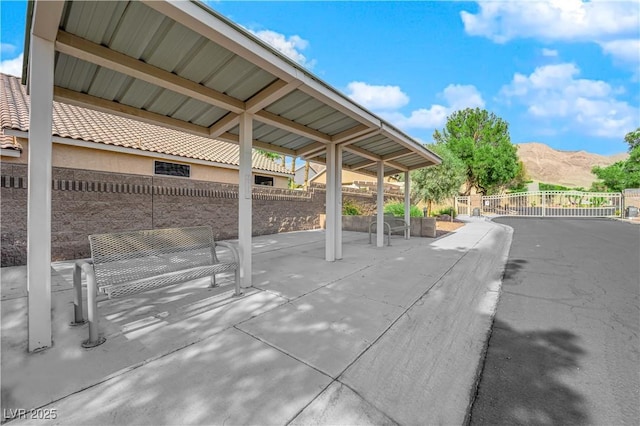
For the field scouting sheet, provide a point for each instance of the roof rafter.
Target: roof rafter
(310, 149)
(397, 154)
(230, 137)
(362, 165)
(351, 133)
(397, 165)
(362, 153)
(225, 124)
(270, 94)
(292, 126)
(86, 50)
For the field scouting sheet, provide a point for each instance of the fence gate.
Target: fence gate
(554, 204)
(462, 205)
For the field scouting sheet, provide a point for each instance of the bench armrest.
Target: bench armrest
(236, 257)
(78, 314)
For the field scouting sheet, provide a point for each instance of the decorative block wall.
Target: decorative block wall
(87, 202)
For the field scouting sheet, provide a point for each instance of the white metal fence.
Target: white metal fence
(554, 204)
(545, 203)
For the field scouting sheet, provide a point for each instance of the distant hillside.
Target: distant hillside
(567, 168)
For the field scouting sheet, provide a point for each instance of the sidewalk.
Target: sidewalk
(390, 335)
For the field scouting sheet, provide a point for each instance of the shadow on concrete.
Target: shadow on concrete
(522, 379)
(512, 268)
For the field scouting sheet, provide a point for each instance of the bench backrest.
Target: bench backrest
(394, 220)
(126, 256)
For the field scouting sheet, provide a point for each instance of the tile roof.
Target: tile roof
(9, 142)
(93, 126)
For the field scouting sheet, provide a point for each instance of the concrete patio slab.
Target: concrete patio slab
(370, 339)
(326, 329)
(380, 281)
(230, 378)
(138, 329)
(426, 365)
(280, 273)
(339, 405)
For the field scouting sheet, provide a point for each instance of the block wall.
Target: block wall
(90, 202)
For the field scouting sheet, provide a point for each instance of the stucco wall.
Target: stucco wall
(77, 157)
(349, 177)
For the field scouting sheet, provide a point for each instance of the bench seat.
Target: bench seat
(391, 224)
(131, 262)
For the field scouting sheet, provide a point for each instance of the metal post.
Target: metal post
(330, 205)
(39, 193)
(338, 186)
(78, 315)
(380, 207)
(245, 184)
(92, 309)
(407, 205)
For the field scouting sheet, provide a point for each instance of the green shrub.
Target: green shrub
(447, 210)
(397, 209)
(349, 208)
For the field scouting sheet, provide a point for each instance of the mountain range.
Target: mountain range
(566, 168)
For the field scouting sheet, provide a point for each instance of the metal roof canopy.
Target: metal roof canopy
(181, 65)
(184, 66)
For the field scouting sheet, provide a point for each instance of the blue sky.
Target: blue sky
(562, 72)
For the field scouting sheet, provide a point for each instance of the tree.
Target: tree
(519, 182)
(481, 140)
(306, 174)
(633, 138)
(623, 174)
(270, 155)
(436, 183)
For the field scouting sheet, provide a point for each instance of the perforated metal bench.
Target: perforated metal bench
(391, 224)
(125, 263)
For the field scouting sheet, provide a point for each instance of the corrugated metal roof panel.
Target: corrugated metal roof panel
(73, 73)
(412, 160)
(174, 37)
(136, 28)
(333, 123)
(216, 57)
(170, 44)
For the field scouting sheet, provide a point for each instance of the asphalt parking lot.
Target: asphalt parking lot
(564, 347)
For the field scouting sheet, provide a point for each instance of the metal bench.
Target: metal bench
(131, 262)
(391, 224)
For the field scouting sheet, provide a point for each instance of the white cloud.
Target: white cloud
(12, 66)
(627, 50)
(377, 97)
(549, 52)
(612, 24)
(288, 46)
(589, 106)
(552, 19)
(462, 96)
(457, 97)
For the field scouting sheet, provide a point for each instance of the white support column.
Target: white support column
(338, 183)
(41, 64)
(380, 206)
(245, 184)
(330, 206)
(407, 204)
